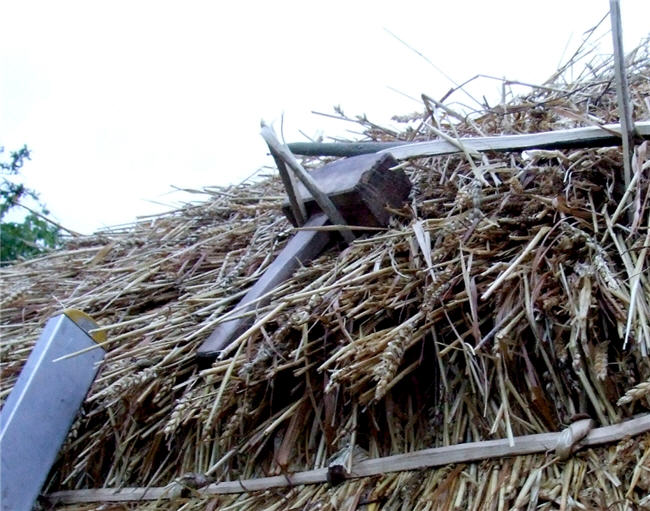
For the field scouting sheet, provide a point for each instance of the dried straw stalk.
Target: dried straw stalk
(510, 297)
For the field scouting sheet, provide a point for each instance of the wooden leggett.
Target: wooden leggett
(361, 188)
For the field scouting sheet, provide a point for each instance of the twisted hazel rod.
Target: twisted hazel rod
(563, 443)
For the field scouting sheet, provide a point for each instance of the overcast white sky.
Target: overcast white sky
(121, 100)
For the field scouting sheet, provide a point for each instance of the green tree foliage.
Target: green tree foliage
(34, 234)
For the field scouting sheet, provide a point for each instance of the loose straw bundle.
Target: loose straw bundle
(509, 298)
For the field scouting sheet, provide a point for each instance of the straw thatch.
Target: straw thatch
(509, 297)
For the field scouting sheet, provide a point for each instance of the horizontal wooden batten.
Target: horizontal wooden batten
(592, 136)
(438, 456)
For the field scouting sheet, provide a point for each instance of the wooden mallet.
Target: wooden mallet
(354, 191)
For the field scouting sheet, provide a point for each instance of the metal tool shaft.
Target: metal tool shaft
(40, 409)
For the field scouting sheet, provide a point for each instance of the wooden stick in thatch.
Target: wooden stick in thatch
(288, 179)
(622, 92)
(325, 203)
(592, 136)
(577, 436)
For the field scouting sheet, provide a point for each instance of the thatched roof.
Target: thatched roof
(510, 297)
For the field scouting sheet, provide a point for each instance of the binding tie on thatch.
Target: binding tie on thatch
(569, 439)
(577, 435)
